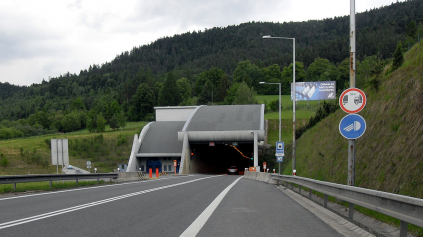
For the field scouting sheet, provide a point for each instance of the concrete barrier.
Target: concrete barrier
(127, 177)
(259, 176)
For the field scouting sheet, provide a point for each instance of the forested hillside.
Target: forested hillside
(218, 65)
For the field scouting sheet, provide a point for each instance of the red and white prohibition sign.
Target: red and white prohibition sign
(352, 100)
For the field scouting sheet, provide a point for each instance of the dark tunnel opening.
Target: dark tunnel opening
(218, 158)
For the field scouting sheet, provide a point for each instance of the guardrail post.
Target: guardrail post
(50, 183)
(76, 182)
(292, 186)
(325, 203)
(14, 186)
(310, 194)
(299, 189)
(403, 228)
(351, 211)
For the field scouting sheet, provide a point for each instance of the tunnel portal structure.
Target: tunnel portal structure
(202, 139)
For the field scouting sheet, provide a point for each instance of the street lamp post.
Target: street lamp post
(293, 99)
(280, 123)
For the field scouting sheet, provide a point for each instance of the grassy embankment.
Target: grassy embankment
(304, 111)
(105, 150)
(388, 156)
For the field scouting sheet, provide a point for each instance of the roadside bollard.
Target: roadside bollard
(157, 172)
(151, 172)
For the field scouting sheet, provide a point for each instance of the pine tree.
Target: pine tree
(398, 57)
(169, 95)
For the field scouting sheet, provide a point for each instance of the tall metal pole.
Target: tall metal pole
(351, 142)
(280, 123)
(294, 99)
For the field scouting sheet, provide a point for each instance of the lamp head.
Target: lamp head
(266, 37)
(262, 82)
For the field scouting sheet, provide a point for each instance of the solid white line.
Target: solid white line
(79, 189)
(196, 226)
(83, 206)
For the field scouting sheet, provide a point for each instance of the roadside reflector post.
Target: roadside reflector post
(294, 172)
(157, 172)
(151, 173)
(273, 170)
(175, 164)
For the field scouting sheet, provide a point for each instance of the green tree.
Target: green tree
(101, 123)
(271, 74)
(398, 57)
(91, 125)
(221, 91)
(122, 120)
(343, 75)
(71, 122)
(248, 73)
(169, 95)
(114, 123)
(113, 109)
(157, 88)
(320, 70)
(77, 104)
(411, 29)
(231, 93)
(142, 103)
(207, 95)
(245, 95)
(184, 88)
(300, 73)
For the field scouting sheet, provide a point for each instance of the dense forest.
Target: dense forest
(218, 65)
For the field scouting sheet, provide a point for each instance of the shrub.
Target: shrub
(3, 160)
(121, 139)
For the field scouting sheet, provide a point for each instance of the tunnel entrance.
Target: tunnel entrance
(218, 158)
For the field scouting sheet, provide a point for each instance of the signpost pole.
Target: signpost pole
(351, 142)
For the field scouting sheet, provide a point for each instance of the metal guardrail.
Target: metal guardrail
(406, 209)
(53, 177)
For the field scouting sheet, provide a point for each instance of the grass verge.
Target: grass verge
(45, 186)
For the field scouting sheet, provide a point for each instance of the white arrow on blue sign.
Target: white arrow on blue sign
(279, 158)
(352, 126)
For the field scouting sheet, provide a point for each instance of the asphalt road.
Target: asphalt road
(201, 205)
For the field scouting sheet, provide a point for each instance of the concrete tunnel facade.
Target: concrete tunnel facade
(217, 136)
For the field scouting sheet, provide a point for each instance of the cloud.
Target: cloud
(46, 38)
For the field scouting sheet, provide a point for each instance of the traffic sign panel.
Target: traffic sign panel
(279, 158)
(352, 100)
(280, 148)
(352, 126)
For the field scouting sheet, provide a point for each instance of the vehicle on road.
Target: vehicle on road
(233, 170)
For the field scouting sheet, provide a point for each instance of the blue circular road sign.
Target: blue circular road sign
(352, 126)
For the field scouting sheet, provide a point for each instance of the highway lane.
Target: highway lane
(164, 207)
(254, 208)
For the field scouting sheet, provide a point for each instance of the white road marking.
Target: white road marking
(196, 226)
(78, 189)
(83, 206)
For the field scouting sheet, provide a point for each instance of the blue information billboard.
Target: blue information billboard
(316, 90)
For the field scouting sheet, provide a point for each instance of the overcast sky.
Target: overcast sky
(46, 38)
